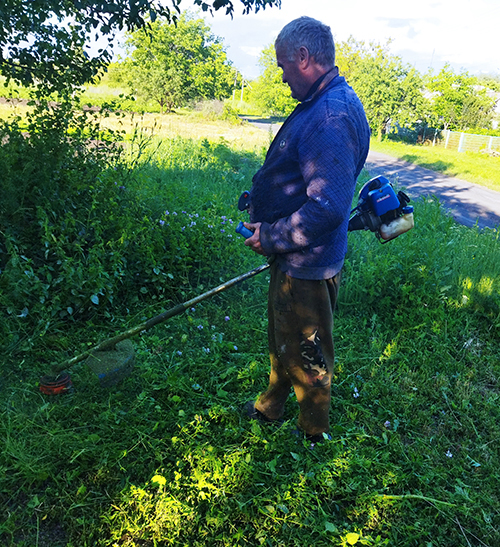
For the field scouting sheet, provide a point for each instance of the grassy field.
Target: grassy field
(473, 167)
(166, 457)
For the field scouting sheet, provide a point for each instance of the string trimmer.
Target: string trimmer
(379, 210)
(113, 359)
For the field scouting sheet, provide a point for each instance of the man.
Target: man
(299, 212)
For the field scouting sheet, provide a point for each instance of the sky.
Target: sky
(425, 34)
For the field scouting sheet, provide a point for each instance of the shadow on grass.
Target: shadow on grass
(439, 166)
(261, 119)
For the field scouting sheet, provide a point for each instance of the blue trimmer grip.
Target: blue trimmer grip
(245, 232)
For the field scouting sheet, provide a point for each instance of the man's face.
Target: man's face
(293, 75)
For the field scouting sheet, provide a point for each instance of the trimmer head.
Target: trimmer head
(110, 366)
(55, 385)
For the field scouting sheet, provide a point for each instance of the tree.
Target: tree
(458, 101)
(172, 64)
(477, 111)
(43, 42)
(269, 91)
(389, 90)
(349, 55)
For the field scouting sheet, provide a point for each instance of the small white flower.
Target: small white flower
(356, 393)
(449, 454)
(24, 313)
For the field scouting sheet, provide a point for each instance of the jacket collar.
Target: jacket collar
(320, 84)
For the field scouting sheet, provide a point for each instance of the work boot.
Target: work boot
(316, 439)
(254, 414)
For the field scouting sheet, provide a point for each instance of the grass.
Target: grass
(166, 457)
(473, 167)
(184, 123)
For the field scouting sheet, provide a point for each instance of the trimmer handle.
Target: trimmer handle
(244, 201)
(245, 232)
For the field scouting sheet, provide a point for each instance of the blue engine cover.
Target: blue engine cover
(378, 196)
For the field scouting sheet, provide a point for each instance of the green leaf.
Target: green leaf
(352, 538)
(330, 527)
(94, 299)
(159, 480)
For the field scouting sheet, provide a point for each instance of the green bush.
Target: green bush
(83, 239)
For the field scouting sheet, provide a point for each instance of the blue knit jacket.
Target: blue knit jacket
(303, 193)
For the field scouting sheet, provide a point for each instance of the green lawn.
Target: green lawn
(479, 168)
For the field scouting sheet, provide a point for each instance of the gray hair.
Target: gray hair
(315, 36)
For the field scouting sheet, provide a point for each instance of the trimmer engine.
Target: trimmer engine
(381, 210)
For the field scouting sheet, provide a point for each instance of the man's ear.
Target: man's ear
(304, 57)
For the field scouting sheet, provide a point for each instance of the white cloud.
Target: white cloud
(253, 51)
(460, 32)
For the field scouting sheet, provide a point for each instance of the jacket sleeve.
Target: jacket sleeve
(328, 157)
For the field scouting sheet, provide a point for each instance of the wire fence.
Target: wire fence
(466, 142)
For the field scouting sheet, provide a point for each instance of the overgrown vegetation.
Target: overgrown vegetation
(165, 457)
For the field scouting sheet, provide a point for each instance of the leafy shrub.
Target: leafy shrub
(98, 239)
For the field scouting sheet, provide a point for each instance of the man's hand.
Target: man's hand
(254, 241)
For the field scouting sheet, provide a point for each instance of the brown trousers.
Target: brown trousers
(300, 324)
